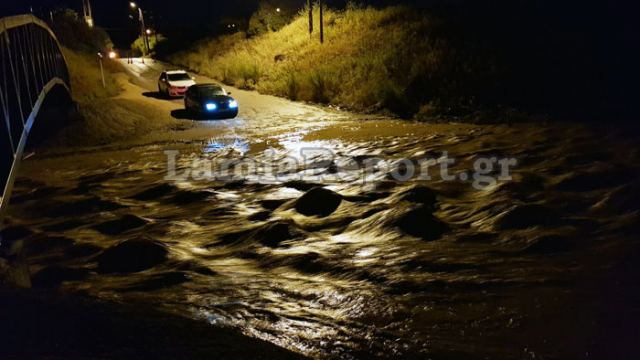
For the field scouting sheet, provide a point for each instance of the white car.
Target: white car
(174, 83)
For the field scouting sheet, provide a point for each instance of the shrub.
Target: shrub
(75, 34)
(359, 66)
(458, 57)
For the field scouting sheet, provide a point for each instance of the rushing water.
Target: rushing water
(514, 270)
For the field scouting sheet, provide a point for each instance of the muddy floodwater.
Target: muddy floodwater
(356, 265)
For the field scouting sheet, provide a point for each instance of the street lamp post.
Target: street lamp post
(143, 29)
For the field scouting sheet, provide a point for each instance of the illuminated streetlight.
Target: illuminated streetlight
(143, 29)
(112, 55)
(104, 84)
(277, 9)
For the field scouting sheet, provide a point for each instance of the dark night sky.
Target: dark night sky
(110, 13)
(113, 15)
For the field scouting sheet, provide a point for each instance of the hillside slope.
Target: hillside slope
(372, 59)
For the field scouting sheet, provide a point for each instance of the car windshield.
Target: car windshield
(178, 76)
(210, 91)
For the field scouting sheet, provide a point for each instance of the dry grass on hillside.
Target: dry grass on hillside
(104, 115)
(368, 61)
(86, 82)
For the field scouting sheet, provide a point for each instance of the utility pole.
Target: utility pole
(310, 6)
(321, 23)
(143, 30)
(87, 13)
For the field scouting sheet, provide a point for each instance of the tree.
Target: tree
(138, 45)
(74, 33)
(271, 15)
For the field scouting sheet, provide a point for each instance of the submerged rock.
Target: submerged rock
(421, 223)
(85, 206)
(272, 204)
(53, 276)
(619, 201)
(549, 244)
(46, 244)
(260, 216)
(318, 202)
(300, 185)
(276, 232)
(119, 226)
(420, 195)
(526, 216)
(11, 234)
(594, 180)
(154, 193)
(271, 234)
(159, 281)
(186, 197)
(132, 256)
(82, 250)
(64, 225)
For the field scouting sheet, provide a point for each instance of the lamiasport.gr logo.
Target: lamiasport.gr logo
(322, 165)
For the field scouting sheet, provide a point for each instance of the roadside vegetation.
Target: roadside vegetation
(86, 80)
(138, 47)
(103, 114)
(359, 66)
(464, 61)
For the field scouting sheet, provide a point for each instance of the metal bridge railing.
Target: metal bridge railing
(31, 64)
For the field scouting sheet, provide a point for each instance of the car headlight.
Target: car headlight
(210, 106)
(233, 104)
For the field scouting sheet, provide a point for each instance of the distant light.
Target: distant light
(133, 5)
(112, 55)
(210, 106)
(148, 31)
(100, 55)
(278, 9)
(233, 104)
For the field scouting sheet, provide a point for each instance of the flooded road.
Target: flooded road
(331, 257)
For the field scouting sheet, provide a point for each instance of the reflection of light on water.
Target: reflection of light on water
(296, 148)
(219, 145)
(293, 143)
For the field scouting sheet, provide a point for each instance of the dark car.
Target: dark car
(211, 101)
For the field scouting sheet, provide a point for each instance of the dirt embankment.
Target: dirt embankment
(109, 113)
